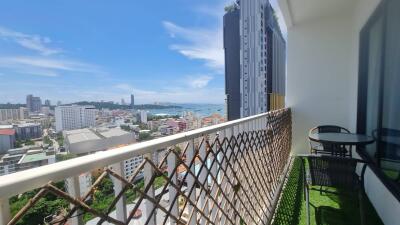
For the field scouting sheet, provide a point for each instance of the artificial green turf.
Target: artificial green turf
(325, 208)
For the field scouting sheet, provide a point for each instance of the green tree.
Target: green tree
(47, 141)
(60, 139)
(29, 142)
(144, 136)
(63, 157)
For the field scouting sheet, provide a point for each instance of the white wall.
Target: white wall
(319, 76)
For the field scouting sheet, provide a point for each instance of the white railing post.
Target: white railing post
(4, 211)
(236, 151)
(73, 187)
(191, 154)
(120, 207)
(214, 171)
(148, 174)
(223, 175)
(203, 181)
(172, 192)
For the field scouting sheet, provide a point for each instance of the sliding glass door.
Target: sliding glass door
(379, 87)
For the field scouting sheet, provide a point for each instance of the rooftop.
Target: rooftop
(7, 132)
(35, 157)
(80, 135)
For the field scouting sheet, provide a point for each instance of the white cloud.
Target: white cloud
(202, 44)
(171, 94)
(200, 82)
(32, 42)
(45, 66)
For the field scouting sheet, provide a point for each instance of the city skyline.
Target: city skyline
(84, 61)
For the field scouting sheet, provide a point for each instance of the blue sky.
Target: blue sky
(164, 51)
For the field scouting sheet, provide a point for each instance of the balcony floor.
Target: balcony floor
(326, 208)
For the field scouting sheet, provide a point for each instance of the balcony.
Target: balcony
(231, 173)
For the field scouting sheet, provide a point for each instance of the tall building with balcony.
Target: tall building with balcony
(34, 104)
(74, 117)
(254, 59)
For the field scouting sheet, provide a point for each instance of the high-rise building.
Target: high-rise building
(74, 117)
(132, 101)
(254, 58)
(47, 102)
(123, 101)
(34, 104)
(232, 61)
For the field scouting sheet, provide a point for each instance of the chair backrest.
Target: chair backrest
(329, 129)
(326, 129)
(332, 171)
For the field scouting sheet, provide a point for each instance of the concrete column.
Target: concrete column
(191, 181)
(118, 186)
(4, 211)
(172, 191)
(148, 174)
(73, 187)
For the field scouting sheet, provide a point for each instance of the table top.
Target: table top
(342, 138)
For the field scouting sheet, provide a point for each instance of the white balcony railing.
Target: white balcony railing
(229, 173)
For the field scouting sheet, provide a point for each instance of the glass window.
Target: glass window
(379, 92)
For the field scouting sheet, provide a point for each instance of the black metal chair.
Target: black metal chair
(327, 149)
(336, 172)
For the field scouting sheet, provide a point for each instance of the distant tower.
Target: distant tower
(122, 101)
(34, 104)
(132, 101)
(47, 102)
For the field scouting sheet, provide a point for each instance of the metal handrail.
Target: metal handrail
(23, 181)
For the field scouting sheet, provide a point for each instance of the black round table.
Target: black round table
(341, 139)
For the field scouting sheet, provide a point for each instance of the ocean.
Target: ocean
(201, 110)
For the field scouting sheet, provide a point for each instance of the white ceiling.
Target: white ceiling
(304, 10)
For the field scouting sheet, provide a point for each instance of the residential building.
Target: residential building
(7, 140)
(255, 59)
(27, 131)
(141, 116)
(13, 114)
(74, 117)
(34, 104)
(19, 159)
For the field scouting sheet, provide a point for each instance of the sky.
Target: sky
(74, 50)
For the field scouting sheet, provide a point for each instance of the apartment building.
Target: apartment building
(27, 131)
(254, 59)
(13, 114)
(74, 117)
